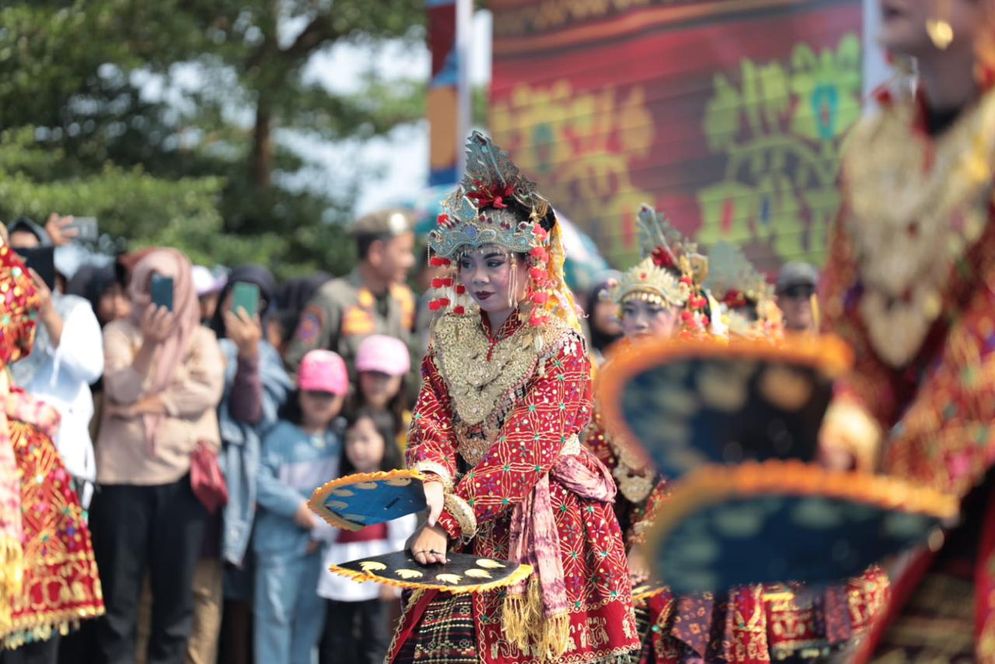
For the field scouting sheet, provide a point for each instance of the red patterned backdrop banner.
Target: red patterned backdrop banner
(727, 114)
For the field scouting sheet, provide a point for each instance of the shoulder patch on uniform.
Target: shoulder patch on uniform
(309, 326)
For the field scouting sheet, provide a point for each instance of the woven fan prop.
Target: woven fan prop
(736, 425)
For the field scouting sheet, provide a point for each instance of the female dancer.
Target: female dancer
(662, 296)
(48, 578)
(507, 388)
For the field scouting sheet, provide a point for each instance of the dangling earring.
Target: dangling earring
(513, 283)
(940, 32)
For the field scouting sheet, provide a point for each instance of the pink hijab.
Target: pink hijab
(168, 263)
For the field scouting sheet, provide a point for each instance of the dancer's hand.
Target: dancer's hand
(428, 545)
(435, 495)
(638, 566)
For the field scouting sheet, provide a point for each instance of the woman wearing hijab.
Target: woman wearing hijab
(163, 379)
(256, 385)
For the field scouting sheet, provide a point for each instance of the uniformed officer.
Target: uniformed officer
(372, 299)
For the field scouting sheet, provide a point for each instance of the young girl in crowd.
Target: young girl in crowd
(382, 362)
(357, 625)
(300, 453)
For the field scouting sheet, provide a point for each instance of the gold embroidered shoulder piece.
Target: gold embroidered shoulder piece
(479, 376)
(915, 207)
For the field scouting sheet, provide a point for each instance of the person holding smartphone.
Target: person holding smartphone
(68, 356)
(163, 379)
(256, 386)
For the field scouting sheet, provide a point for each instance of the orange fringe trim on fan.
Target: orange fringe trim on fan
(711, 484)
(827, 354)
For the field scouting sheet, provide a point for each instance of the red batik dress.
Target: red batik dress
(497, 420)
(910, 285)
(60, 586)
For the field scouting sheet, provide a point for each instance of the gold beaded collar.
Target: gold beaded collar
(915, 207)
(480, 371)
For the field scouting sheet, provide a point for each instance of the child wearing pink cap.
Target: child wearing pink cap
(299, 454)
(382, 364)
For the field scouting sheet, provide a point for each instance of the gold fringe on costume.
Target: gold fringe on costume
(11, 577)
(528, 628)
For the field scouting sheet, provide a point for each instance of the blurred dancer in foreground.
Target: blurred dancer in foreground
(910, 285)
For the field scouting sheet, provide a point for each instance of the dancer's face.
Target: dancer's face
(903, 24)
(642, 318)
(493, 278)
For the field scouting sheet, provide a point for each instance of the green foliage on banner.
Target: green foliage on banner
(779, 129)
(180, 121)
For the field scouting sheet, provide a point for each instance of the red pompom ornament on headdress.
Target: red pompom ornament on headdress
(442, 282)
(492, 196)
(438, 261)
(663, 258)
(734, 299)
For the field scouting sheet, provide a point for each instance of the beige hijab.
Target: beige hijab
(168, 263)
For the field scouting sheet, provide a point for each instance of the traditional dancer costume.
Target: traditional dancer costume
(910, 285)
(497, 422)
(749, 624)
(48, 578)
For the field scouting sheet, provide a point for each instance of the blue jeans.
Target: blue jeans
(289, 614)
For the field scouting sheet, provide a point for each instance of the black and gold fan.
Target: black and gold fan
(462, 573)
(737, 424)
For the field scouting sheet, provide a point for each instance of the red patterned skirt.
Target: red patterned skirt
(61, 585)
(754, 625)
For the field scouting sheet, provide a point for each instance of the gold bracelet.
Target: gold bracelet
(438, 471)
(463, 513)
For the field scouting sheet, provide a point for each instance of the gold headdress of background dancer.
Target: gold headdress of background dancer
(670, 273)
(747, 301)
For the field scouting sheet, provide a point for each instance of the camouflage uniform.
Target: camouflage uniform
(344, 312)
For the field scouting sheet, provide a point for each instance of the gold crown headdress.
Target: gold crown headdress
(743, 292)
(671, 268)
(487, 206)
(496, 204)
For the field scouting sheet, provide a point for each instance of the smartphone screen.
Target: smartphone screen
(245, 296)
(161, 290)
(86, 228)
(42, 261)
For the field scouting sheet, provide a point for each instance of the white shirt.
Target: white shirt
(341, 589)
(61, 377)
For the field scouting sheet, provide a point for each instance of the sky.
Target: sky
(401, 158)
